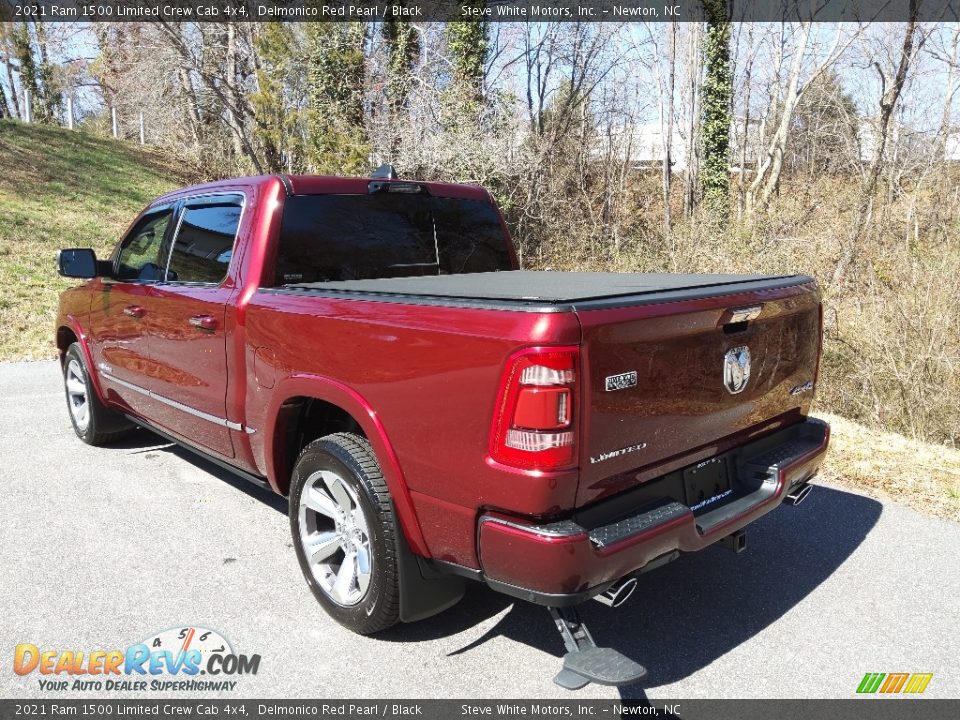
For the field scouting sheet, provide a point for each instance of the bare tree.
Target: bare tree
(891, 86)
(666, 105)
(219, 87)
(6, 57)
(771, 165)
(745, 134)
(694, 73)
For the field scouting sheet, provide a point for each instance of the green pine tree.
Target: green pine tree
(469, 45)
(274, 114)
(403, 49)
(337, 139)
(717, 94)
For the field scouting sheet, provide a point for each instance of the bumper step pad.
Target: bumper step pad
(586, 663)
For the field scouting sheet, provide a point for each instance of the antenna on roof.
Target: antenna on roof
(385, 172)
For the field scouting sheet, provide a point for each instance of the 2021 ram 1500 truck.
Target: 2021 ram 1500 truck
(370, 349)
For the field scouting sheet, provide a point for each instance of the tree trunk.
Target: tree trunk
(745, 127)
(692, 174)
(768, 173)
(231, 82)
(888, 101)
(667, 130)
(14, 96)
(191, 105)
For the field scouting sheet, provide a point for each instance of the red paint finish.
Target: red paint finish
(432, 384)
(680, 402)
(190, 363)
(422, 382)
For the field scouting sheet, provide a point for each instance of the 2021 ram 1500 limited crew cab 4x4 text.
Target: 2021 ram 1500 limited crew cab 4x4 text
(370, 349)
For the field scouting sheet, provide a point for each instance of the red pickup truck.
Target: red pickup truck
(371, 349)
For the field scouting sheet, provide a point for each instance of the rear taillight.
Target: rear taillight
(533, 426)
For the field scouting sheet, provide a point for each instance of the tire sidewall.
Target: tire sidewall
(73, 353)
(328, 455)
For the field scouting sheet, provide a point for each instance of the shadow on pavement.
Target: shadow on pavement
(685, 615)
(143, 441)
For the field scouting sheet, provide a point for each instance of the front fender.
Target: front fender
(71, 322)
(346, 398)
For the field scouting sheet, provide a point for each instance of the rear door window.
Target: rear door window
(204, 244)
(143, 252)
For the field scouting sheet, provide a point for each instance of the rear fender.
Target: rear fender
(336, 393)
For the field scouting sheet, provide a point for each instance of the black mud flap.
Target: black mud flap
(423, 591)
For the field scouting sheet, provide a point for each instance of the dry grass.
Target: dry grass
(891, 466)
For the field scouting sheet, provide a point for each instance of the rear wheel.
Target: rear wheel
(93, 422)
(345, 532)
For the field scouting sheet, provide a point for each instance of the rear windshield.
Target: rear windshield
(325, 238)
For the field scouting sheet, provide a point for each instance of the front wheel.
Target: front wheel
(345, 533)
(92, 421)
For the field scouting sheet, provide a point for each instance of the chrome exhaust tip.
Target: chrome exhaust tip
(618, 593)
(799, 494)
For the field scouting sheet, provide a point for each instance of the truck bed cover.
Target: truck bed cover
(547, 290)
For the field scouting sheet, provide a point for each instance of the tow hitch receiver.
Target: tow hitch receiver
(736, 542)
(585, 662)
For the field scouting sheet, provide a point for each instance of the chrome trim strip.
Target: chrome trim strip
(745, 313)
(222, 422)
(563, 528)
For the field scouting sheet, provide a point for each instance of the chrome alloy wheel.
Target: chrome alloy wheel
(77, 395)
(335, 537)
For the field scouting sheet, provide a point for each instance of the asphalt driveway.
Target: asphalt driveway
(101, 548)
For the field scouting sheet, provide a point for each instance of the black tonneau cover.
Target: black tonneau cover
(558, 290)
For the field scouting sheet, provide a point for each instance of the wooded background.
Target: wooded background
(827, 149)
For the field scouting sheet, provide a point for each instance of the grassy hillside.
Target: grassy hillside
(60, 188)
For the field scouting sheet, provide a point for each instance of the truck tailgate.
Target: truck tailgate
(664, 383)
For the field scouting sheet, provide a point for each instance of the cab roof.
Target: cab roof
(327, 184)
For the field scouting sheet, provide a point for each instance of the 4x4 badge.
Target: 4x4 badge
(736, 369)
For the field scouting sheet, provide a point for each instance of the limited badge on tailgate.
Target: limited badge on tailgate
(706, 483)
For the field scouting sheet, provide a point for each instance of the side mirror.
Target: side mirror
(77, 263)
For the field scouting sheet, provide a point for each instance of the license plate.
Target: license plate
(706, 483)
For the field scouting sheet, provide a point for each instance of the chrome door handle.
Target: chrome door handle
(204, 322)
(134, 311)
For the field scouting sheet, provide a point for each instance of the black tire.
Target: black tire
(99, 425)
(348, 458)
